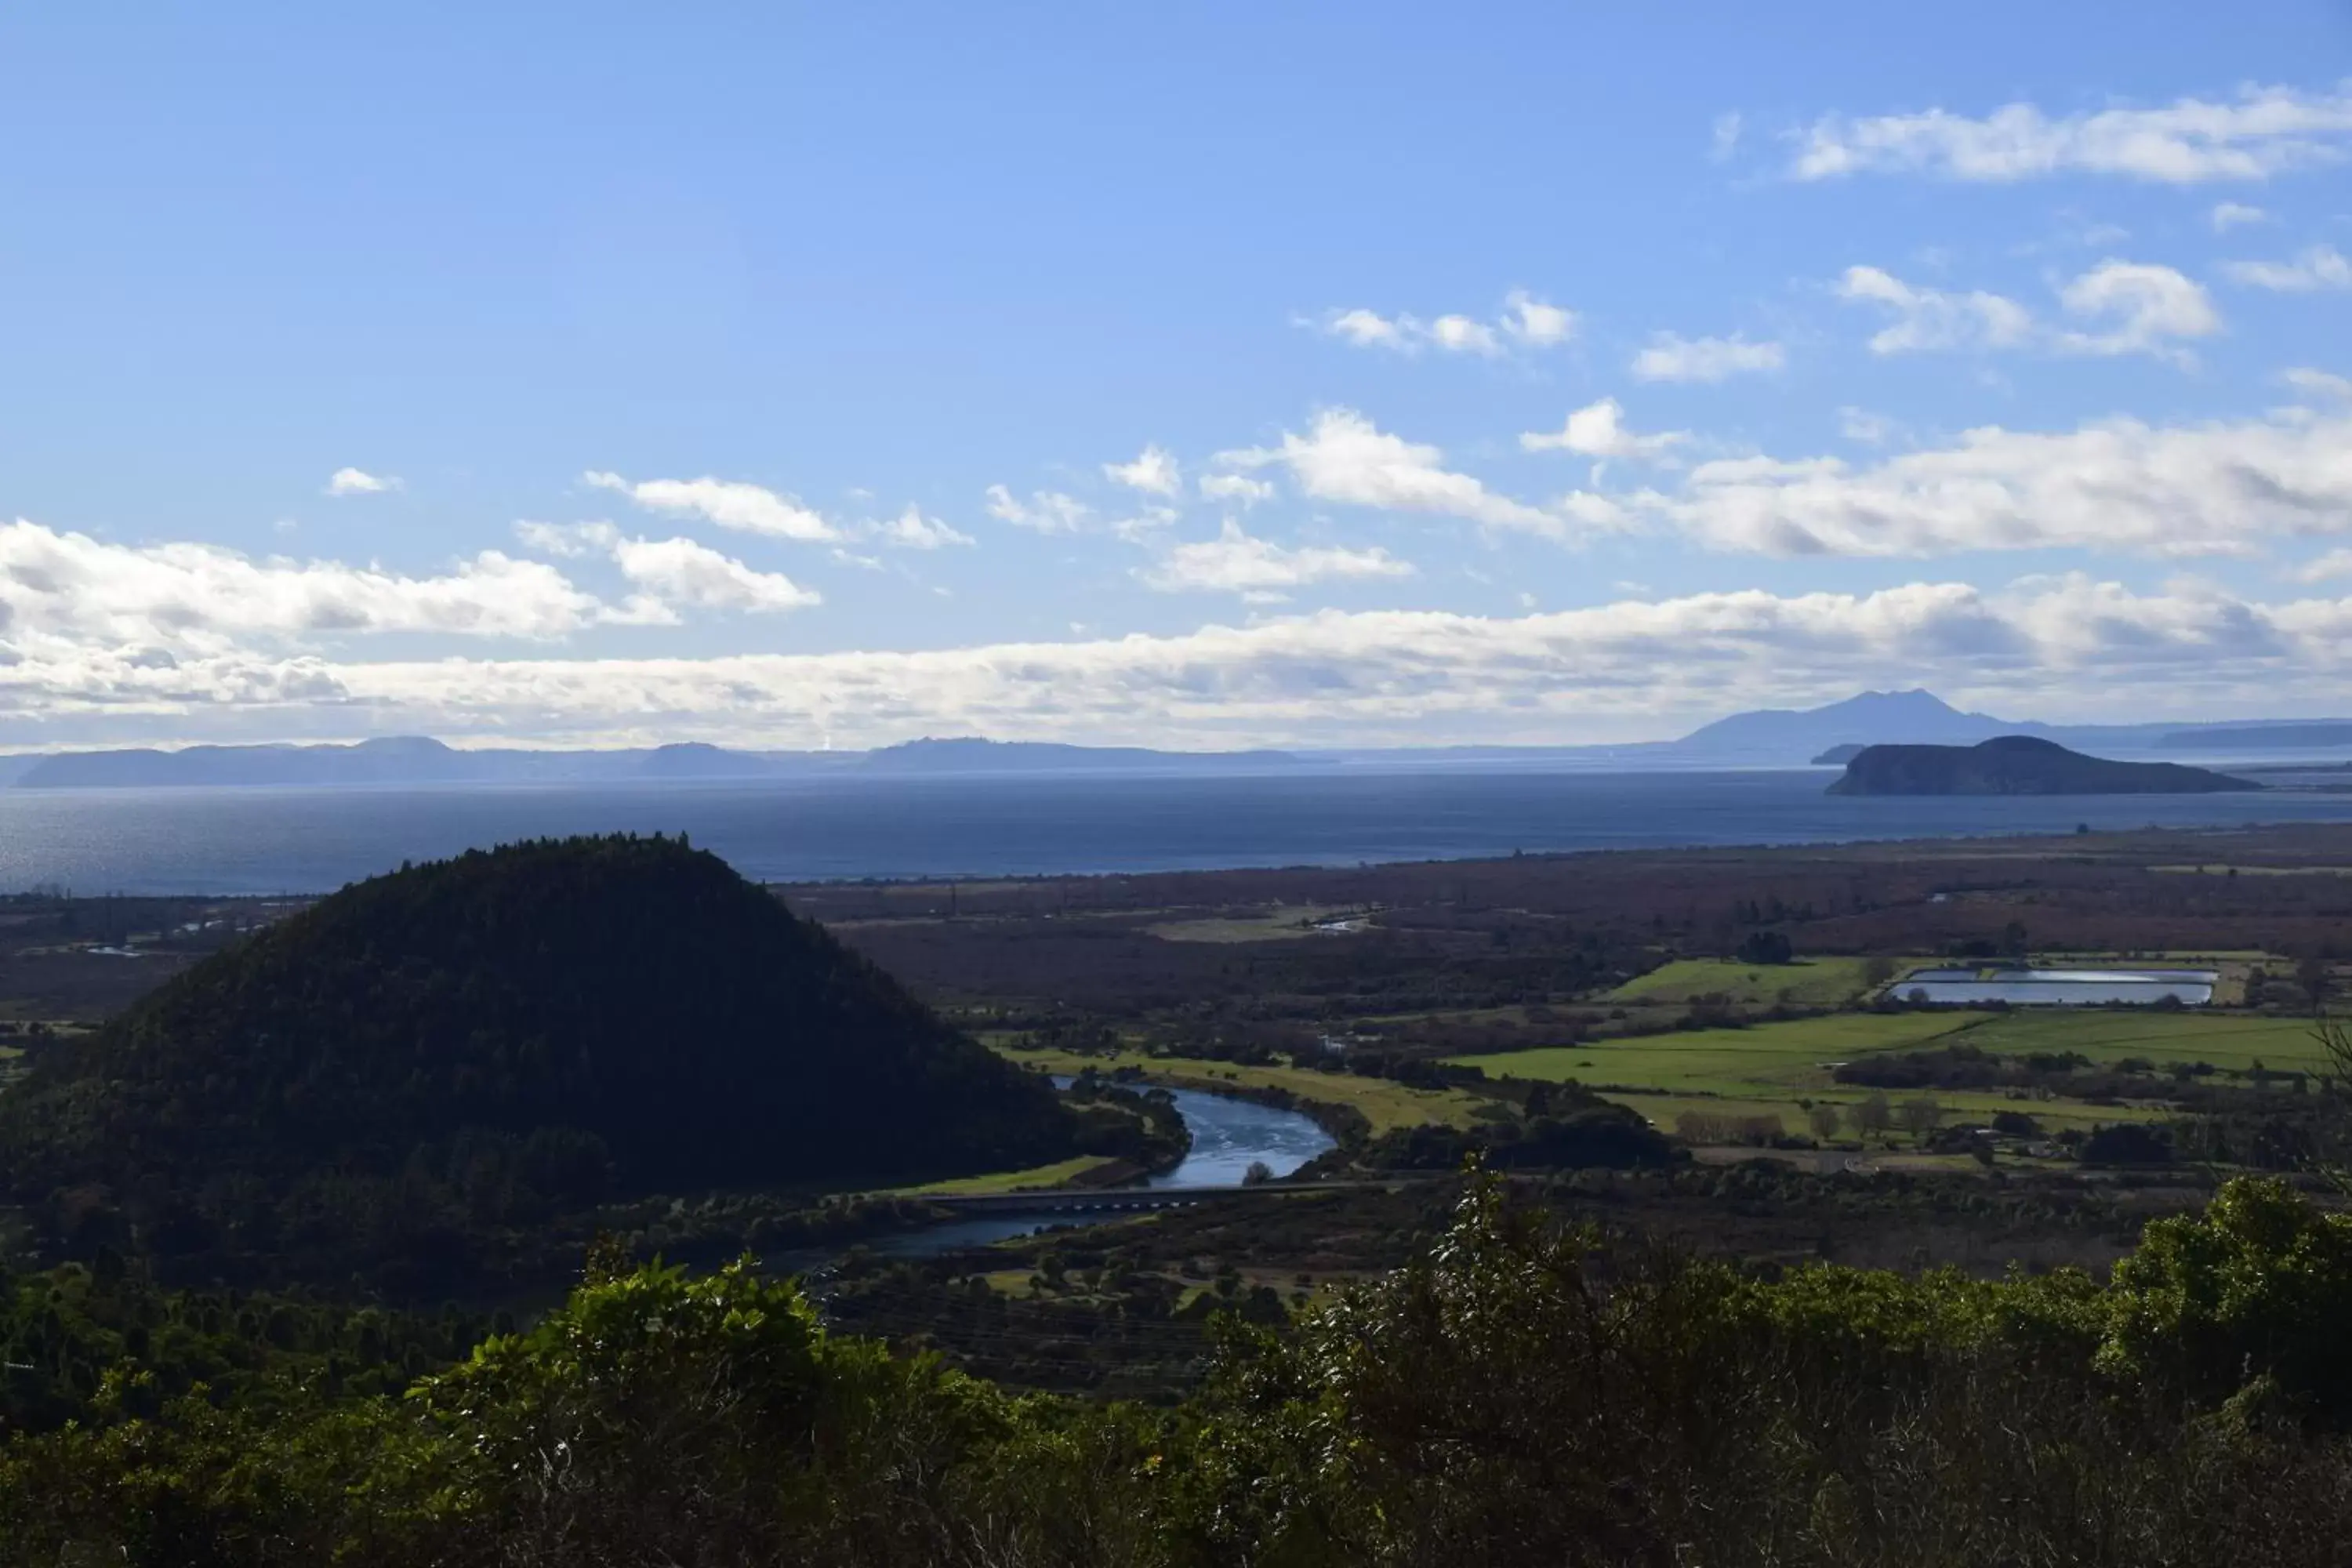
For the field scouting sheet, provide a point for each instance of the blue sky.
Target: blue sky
(1208, 375)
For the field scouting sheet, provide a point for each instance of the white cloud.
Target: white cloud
(2120, 485)
(2320, 267)
(910, 529)
(1345, 458)
(1235, 563)
(1238, 489)
(1369, 328)
(1724, 140)
(2317, 382)
(1927, 319)
(1153, 472)
(682, 572)
(1671, 357)
(358, 482)
(2148, 304)
(729, 503)
(1045, 512)
(2227, 216)
(2323, 568)
(2053, 647)
(571, 539)
(1536, 322)
(1598, 430)
(202, 598)
(1525, 319)
(1860, 425)
(2265, 131)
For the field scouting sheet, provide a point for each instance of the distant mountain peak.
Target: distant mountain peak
(1867, 718)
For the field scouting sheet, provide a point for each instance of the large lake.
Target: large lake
(313, 840)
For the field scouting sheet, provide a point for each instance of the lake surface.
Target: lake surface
(314, 840)
(1229, 1135)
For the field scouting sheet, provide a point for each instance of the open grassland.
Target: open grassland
(1037, 1177)
(2234, 1042)
(1960, 1108)
(1809, 982)
(1385, 1104)
(1767, 1057)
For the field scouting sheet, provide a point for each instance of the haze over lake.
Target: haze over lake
(277, 841)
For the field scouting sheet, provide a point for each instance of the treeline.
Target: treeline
(1517, 1395)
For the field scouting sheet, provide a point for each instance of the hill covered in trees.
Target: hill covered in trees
(2018, 764)
(494, 1040)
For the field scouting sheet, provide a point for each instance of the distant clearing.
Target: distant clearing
(1809, 982)
(1059, 1174)
(1767, 1058)
(1275, 925)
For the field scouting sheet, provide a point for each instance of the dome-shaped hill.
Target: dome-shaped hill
(561, 1019)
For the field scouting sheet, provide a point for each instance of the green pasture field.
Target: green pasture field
(1036, 1176)
(2231, 1041)
(1810, 982)
(1767, 1057)
(1385, 1104)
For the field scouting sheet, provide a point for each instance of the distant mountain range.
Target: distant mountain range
(1767, 738)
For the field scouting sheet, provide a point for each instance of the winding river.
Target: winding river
(1229, 1135)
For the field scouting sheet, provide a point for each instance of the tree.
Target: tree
(1766, 947)
(1258, 1173)
(1922, 1115)
(1873, 1116)
(1824, 1120)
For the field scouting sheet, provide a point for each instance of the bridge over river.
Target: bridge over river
(1115, 1200)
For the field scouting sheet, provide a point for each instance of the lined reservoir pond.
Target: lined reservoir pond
(2060, 987)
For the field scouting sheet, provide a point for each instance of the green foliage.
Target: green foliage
(2258, 1286)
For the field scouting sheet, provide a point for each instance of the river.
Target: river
(1229, 1135)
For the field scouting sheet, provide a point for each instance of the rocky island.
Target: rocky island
(2018, 764)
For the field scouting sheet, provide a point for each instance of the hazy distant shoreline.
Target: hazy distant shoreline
(243, 841)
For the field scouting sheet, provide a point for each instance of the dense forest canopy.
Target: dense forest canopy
(498, 1037)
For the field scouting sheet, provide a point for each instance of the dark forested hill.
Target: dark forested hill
(503, 1037)
(2018, 764)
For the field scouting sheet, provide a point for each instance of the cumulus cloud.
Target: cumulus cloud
(1535, 322)
(681, 572)
(1235, 563)
(2320, 267)
(1927, 319)
(1045, 512)
(729, 503)
(2040, 646)
(2166, 490)
(188, 597)
(910, 529)
(358, 482)
(1238, 489)
(1598, 430)
(1671, 357)
(2227, 216)
(2146, 307)
(2317, 382)
(1153, 471)
(1345, 458)
(2263, 132)
(1525, 319)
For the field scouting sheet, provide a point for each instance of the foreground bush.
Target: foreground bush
(1519, 1395)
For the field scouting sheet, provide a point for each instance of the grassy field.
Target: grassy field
(1384, 1104)
(2230, 1041)
(1809, 982)
(1767, 1057)
(1036, 1177)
